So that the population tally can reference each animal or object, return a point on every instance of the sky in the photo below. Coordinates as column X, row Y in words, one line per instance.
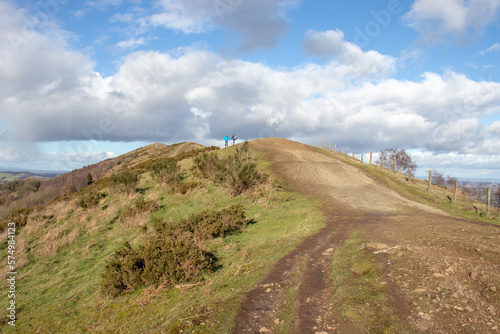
column 83, row 81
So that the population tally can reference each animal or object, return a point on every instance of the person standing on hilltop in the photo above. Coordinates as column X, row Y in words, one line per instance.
column 226, row 139
column 233, row 137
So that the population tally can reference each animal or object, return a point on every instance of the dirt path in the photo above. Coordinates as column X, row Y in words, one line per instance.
column 438, row 258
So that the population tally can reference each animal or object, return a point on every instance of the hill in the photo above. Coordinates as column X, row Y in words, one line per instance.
column 274, row 236
column 8, row 176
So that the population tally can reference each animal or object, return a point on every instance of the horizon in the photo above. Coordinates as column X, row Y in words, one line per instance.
column 94, row 80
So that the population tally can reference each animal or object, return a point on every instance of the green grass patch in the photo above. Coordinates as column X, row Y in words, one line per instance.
column 359, row 292
column 60, row 292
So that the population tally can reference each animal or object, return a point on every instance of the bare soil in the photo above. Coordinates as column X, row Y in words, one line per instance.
column 442, row 273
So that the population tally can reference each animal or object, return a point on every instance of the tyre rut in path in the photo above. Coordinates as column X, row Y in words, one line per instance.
column 337, row 185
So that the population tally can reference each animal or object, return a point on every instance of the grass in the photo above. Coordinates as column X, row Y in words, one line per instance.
column 59, row 282
column 359, row 292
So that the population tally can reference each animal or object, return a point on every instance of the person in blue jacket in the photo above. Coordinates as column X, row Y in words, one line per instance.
column 226, row 139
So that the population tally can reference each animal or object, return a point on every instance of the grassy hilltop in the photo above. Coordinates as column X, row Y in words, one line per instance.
column 64, row 247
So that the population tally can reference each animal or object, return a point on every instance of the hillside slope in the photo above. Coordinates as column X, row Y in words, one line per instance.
column 326, row 247
column 65, row 250
column 434, row 273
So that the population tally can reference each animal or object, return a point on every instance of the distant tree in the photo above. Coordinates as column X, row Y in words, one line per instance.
column 69, row 187
column 437, row 178
column 496, row 196
column 32, row 184
column 89, row 178
column 403, row 160
column 13, row 186
column 450, row 181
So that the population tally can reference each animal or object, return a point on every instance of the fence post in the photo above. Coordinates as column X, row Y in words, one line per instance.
column 339, row 149
column 488, row 200
column 353, row 152
column 370, row 158
column 455, row 192
column 381, row 162
column 394, row 166
column 335, row 148
column 430, row 178
column 361, row 157
column 409, row 173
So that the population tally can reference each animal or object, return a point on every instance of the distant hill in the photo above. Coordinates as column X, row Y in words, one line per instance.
column 8, row 176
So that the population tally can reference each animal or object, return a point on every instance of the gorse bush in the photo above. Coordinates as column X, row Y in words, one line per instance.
column 236, row 172
column 176, row 253
column 206, row 224
column 125, row 181
column 140, row 206
column 165, row 170
column 184, row 187
column 90, row 199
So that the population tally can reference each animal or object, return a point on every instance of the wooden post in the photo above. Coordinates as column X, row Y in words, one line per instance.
column 370, row 158
column 381, row 162
column 361, row 157
column 409, row 173
column 394, row 166
column 488, row 200
column 430, row 178
column 455, row 192
column 339, row 149
column 335, row 148
column 353, row 152
column 346, row 151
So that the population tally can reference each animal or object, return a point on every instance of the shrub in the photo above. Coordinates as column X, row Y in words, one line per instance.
column 19, row 217
column 175, row 253
column 125, row 181
column 140, row 206
column 235, row 171
column 207, row 224
column 184, row 187
column 165, row 170
column 90, row 199
column 13, row 186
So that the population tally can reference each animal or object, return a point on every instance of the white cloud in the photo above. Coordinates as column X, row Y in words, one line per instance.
column 494, row 48
column 436, row 20
column 103, row 4
column 331, row 43
column 54, row 95
column 131, row 43
column 258, row 23
column 124, row 18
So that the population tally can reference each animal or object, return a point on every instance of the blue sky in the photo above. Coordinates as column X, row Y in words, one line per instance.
column 84, row 81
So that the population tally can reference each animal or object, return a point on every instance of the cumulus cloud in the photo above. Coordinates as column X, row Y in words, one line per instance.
column 436, row 20
column 258, row 23
column 331, row 43
column 192, row 94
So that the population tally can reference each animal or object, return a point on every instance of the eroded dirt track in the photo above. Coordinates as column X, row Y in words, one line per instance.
column 436, row 258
